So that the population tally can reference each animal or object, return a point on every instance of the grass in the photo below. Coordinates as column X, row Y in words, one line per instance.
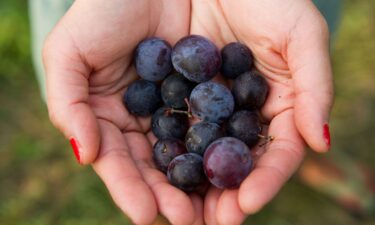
column 40, row 182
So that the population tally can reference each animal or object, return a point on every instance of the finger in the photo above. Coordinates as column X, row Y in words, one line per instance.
column 122, row 178
column 198, row 206
column 67, row 97
column 282, row 157
column 210, row 205
column 309, row 62
column 174, row 204
column 228, row 209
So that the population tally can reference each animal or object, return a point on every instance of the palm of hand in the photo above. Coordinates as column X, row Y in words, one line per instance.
column 123, row 158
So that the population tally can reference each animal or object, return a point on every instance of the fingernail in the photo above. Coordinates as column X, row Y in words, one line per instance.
column 76, row 146
column 327, row 135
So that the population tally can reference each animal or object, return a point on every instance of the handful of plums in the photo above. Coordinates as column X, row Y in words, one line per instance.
column 177, row 90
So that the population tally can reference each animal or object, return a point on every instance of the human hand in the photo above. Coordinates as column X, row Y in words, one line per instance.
column 290, row 42
column 88, row 65
column 88, row 61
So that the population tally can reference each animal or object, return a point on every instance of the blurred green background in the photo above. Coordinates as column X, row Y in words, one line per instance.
column 41, row 183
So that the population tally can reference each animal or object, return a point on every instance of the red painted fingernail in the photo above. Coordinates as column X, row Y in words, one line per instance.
column 327, row 135
column 75, row 145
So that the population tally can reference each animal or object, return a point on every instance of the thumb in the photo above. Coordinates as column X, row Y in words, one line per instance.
column 309, row 62
column 67, row 95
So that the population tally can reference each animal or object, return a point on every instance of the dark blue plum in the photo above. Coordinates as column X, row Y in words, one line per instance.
column 153, row 59
column 250, row 90
column 227, row 162
column 246, row 126
column 211, row 102
column 202, row 134
column 197, row 58
column 186, row 172
column 165, row 150
column 165, row 124
column 237, row 59
column 142, row 98
column 174, row 89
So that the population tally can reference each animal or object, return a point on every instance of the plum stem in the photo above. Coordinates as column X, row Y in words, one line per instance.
column 267, row 139
column 171, row 111
column 188, row 105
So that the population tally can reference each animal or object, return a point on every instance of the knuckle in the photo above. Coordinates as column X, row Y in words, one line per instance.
column 46, row 47
column 54, row 117
column 322, row 27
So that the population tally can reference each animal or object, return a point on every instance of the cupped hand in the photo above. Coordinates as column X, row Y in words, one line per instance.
column 290, row 42
column 88, row 61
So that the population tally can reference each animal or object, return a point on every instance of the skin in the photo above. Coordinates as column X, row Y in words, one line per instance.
column 88, row 66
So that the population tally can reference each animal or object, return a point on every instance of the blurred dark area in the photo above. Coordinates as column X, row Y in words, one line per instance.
column 41, row 183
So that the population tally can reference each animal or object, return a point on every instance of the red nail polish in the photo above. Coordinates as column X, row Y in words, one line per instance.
column 327, row 135
column 75, row 145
